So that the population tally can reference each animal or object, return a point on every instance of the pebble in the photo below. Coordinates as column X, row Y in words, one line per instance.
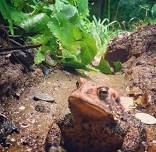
column 154, row 142
column 12, row 139
column 24, row 125
column 22, row 108
column 146, row 118
column 43, row 96
column 33, row 121
column 40, row 108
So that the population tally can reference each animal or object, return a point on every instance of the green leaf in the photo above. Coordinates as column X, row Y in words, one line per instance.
column 88, row 48
column 83, row 7
column 79, row 45
column 41, row 38
column 70, row 63
column 39, row 57
column 17, row 3
column 6, row 14
column 66, row 33
column 59, row 4
column 104, row 67
column 17, row 16
column 66, row 8
column 117, row 66
column 37, row 23
column 153, row 10
column 71, row 60
column 69, row 11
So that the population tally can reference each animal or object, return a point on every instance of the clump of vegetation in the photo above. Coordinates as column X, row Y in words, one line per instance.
column 68, row 35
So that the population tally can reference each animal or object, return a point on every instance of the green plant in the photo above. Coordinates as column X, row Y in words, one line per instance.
column 5, row 12
column 67, row 36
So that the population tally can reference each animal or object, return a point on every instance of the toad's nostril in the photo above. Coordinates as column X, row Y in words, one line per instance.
column 77, row 84
column 103, row 93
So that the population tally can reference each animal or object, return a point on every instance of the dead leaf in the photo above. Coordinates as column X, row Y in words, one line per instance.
column 143, row 100
column 135, row 92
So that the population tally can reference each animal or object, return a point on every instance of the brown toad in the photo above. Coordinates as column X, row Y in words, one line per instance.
column 97, row 123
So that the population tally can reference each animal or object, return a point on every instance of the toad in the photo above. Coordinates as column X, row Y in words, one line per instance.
column 97, row 123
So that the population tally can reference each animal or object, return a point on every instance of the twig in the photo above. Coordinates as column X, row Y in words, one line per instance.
column 8, row 52
column 15, row 42
column 15, row 36
column 20, row 48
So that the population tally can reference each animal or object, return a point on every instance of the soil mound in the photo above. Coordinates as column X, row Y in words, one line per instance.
column 16, row 70
column 139, row 48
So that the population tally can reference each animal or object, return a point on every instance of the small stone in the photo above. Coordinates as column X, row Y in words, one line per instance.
column 154, row 142
column 12, row 139
column 18, row 143
column 40, row 108
column 33, row 121
column 55, row 89
column 43, row 96
column 22, row 108
column 96, row 60
column 17, row 94
column 29, row 149
column 146, row 118
column 24, row 125
column 67, row 73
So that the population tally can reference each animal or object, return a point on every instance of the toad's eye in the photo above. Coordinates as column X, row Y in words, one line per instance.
column 103, row 93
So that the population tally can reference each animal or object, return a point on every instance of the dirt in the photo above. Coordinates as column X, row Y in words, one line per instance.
column 140, row 68
column 16, row 71
column 127, row 44
column 136, row 50
column 140, row 50
column 13, row 80
column 141, row 73
column 35, row 124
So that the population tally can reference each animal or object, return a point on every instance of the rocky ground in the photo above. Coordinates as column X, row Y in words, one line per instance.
column 138, row 52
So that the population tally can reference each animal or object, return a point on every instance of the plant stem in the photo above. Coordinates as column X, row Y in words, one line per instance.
column 109, row 16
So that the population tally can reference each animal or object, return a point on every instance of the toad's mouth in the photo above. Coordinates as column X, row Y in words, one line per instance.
column 84, row 108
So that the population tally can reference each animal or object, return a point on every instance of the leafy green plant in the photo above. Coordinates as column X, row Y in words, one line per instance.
column 67, row 36
column 103, row 31
column 4, row 10
column 153, row 10
column 78, row 47
column 74, row 46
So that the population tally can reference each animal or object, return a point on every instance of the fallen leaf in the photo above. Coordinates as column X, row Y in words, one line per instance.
column 146, row 118
column 142, row 101
column 135, row 92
